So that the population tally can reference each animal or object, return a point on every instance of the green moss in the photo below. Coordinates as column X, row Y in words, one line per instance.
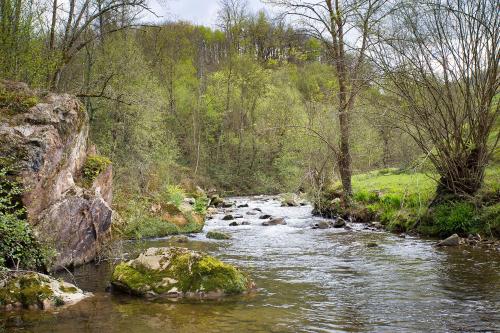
column 16, row 102
column 217, row 235
column 28, row 289
column 186, row 271
column 94, row 165
column 138, row 281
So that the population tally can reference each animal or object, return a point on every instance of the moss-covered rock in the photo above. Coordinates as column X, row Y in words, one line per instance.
column 178, row 272
column 217, row 235
column 36, row 291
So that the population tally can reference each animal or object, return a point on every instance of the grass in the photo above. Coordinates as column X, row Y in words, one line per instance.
column 400, row 200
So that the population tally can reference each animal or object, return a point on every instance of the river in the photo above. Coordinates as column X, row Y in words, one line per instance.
column 308, row 280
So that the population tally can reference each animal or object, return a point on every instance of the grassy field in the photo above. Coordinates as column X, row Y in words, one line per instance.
column 400, row 200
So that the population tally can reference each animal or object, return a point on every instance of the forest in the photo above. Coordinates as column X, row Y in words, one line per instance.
column 380, row 112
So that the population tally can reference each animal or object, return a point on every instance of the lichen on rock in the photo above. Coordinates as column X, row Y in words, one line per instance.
column 178, row 272
column 36, row 291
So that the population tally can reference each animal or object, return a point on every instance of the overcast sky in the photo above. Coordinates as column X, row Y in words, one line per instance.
column 202, row 12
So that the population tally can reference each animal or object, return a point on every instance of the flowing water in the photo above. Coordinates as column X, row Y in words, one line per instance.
column 308, row 280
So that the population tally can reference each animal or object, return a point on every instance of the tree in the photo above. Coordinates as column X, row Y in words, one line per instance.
column 75, row 28
column 330, row 21
column 442, row 60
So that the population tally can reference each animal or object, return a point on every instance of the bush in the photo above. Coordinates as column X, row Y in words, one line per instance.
column 18, row 246
column 200, row 205
column 94, row 165
column 454, row 217
column 174, row 194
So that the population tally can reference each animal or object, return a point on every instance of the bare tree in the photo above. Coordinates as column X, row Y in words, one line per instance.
column 76, row 23
column 441, row 58
column 343, row 26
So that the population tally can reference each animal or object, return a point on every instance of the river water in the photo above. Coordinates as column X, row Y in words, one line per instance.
column 309, row 280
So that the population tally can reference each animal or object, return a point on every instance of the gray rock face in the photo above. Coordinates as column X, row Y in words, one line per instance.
column 49, row 145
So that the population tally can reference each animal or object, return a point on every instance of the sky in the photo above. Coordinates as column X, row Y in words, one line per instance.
column 202, row 12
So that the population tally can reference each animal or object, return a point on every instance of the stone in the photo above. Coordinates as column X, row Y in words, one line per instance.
column 238, row 216
column 322, row 225
column 257, row 209
column 265, row 217
column 228, row 218
column 234, row 224
column 377, row 225
column 276, row 221
column 453, row 240
column 245, row 205
column 227, row 204
column 245, row 223
column 218, row 235
column 31, row 290
column 251, row 213
column 216, row 201
column 178, row 272
column 49, row 142
column 339, row 223
column 290, row 200
column 179, row 239
column 371, row 244
column 190, row 201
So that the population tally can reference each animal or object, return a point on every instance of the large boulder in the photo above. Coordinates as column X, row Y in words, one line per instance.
column 178, row 272
column 36, row 291
column 68, row 188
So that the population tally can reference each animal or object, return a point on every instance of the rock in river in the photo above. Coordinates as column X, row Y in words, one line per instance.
column 277, row 221
column 453, row 240
column 218, row 235
column 322, row 225
column 339, row 223
column 179, row 272
column 228, row 218
column 36, row 291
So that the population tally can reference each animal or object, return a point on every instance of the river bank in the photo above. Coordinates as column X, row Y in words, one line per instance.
column 400, row 201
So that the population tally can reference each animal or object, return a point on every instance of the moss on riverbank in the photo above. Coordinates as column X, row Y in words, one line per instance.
column 400, row 201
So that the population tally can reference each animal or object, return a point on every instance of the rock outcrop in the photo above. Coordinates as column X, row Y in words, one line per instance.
column 178, row 272
column 36, row 291
column 45, row 137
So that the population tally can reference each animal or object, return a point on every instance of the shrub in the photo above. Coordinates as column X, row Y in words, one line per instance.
column 174, row 194
column 454, row 217
column 200, row 205
column 18, row 246
column 94, row 165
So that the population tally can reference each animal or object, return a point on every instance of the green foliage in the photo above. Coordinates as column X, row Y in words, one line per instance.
column 94, row 165
column 141, row 222
column 16, row 102
column 18, row 245
column 201, row 205
column 174, row 194
column 451, row 217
